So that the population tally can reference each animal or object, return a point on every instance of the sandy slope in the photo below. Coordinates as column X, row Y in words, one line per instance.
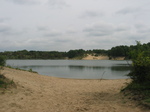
column 91, row 57
column 38, row 93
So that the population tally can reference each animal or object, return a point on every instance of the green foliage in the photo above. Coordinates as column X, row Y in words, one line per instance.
column 140, row 72
column 4, row 82
column 30, row 70
column 119, row 51
column 141, row 65
column 24, row 54
column 100, row 52
column 76, row 53
column 2, row 61
column 147, row 100
column 139, row 92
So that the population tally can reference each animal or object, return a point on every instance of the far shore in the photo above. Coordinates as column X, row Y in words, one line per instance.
column 39, row 93
column 101, row 57
column 88, row 57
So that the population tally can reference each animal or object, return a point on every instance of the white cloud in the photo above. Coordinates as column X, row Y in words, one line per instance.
column 53, row 34
column 4, row 29
column 3, row 19
column 99, row 29
column 57, row 3
column 91, row 14
column 42, row 28
column 23, row 1
column 65, row 24
column 122, row 27
column 129, row 10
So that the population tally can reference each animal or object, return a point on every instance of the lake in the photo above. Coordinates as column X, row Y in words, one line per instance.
column 76, row 69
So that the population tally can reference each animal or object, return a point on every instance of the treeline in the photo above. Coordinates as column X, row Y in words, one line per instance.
column 24, row 54
column 118, row 51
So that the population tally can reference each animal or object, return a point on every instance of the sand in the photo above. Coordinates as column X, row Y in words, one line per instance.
column 91, row 57
column 39, row 93
column 101, row 57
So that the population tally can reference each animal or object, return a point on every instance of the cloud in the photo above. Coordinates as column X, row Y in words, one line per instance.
column 99, row 29
column 128, row 10
column 57, row 3
column 122, row 27
column 45, row 43
column 42, row 28
column 24, row 1
column 71, row 30
column 3, row 19
column 109, row 35
column 53, row 33
column 4, row 28
column 67, row 24
column 139, row 25
column 7, row 31
column 90, row 14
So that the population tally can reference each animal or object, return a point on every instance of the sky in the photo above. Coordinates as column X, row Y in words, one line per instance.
column 62, row 25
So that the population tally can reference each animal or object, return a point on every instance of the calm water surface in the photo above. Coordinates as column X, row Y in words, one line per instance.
column 76, row 69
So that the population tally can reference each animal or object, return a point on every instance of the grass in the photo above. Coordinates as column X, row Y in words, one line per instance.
column 147, row 100
column 139, row 92
column 5, row 83
column 30, row 70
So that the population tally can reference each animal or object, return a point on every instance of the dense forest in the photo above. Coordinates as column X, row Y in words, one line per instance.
column 118, row 51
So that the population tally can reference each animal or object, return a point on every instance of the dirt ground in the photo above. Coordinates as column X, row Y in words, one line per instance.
column 39, row 93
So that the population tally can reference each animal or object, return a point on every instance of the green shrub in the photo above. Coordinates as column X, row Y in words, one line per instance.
column 140, row 74
column 140, row 65
column 2, row 61
column 140, row 69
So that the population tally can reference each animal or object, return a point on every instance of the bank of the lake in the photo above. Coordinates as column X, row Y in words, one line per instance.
column 40, row 93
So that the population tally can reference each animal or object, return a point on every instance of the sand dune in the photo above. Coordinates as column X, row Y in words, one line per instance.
column 101, row 57
column 38, row 93
column 90, row 57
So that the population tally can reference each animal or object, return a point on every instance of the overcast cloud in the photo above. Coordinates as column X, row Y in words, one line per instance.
column 62, row 25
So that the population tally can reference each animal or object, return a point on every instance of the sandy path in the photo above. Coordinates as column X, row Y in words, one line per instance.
column 38, row 93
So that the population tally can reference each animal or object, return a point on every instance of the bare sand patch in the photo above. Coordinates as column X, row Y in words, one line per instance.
column 39, row 93
column 91, row 57
column 101, row 57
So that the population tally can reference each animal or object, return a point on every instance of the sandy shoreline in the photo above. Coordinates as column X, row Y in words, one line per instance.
column 91, row 57
column 38, row 93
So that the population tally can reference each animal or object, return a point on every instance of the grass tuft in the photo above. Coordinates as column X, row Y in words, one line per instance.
column 5, row 83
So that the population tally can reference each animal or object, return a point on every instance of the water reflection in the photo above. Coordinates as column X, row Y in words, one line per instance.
column 71, row 67
column 120, row 68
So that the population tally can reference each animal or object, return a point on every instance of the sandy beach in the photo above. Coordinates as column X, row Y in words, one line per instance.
column 39, row 93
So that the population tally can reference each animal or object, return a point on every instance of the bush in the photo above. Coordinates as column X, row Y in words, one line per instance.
column 140, row 73
column 2, row 61
column 141, row 69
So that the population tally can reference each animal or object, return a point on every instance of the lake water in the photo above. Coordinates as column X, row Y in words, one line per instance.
column 76, row 69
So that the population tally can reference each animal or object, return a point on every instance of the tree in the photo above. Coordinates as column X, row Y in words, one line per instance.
column 76, row 53
column 141, row 64
column 119, row 51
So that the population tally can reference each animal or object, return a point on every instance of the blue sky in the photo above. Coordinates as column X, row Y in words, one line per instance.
column 62, row 25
